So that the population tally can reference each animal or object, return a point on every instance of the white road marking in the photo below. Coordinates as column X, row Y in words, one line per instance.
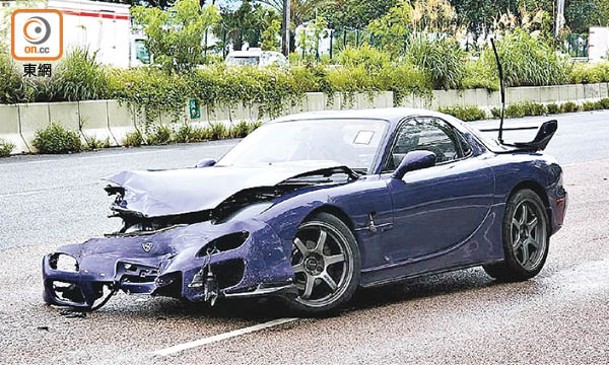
column 126, row 154
column 223, row 336
column 38, row 161
column 25, row 193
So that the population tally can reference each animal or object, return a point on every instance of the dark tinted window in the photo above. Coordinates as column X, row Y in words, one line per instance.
column 427, row 134
column 466, row 149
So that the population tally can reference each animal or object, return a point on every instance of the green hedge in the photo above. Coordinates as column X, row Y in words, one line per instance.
column 363, row 70
column 590, row 73
column 465, row 113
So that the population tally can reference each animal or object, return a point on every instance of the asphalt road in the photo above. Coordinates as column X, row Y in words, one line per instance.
column 559, row 317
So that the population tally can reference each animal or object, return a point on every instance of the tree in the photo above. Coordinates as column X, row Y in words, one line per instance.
column 344, row 14
column 300, row 10
column 433, row 16
column 479, row 15
column 583, row 14
column 310, row 35
column 391, row 30
column 245, row 24
column 175, row 36
column 271, row 36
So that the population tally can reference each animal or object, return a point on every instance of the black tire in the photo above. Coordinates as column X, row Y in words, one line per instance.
column 316, row 268
column 525, row 236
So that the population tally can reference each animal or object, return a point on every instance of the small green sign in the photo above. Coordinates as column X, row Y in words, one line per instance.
column 195, row 111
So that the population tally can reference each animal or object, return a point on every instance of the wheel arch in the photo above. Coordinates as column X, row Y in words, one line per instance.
column 335, row 211
column 540, row 191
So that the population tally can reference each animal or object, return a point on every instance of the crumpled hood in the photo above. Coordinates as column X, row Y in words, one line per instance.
column 179, row 191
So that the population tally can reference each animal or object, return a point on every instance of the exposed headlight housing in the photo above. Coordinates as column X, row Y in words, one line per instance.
column 225, row 243
column 63, row 262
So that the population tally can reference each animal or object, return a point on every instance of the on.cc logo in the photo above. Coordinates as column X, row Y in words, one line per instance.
column 37, row 34
column 36, row 30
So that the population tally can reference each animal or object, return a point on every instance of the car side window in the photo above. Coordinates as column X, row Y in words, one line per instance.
column 428, row 134
column 466, row 149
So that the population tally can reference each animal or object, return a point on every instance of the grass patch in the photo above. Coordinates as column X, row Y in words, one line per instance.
column 6, row 148
column 569, row 107
column 133, row 139
column 553, row 108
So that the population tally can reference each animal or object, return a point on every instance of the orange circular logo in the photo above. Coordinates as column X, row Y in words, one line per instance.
column 36, row 30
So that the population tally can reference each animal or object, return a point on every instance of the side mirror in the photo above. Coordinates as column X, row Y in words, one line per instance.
column 414, row 160
column 206, row 162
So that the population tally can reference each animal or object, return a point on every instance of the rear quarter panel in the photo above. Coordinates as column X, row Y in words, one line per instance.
column 537, row 171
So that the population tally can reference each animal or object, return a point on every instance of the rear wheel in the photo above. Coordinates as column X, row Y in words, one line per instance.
column 525, row 238
column 326, row 264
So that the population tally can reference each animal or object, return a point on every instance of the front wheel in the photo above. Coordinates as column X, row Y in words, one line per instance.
column 525, row 238
column 326, row 264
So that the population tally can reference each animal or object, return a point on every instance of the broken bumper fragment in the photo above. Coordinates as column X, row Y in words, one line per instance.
column 200, row 262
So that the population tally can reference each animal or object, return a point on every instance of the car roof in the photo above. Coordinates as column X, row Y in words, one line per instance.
column 393, row 115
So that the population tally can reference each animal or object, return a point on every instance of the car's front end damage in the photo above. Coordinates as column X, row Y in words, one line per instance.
column 199, row 254
column 199, row 262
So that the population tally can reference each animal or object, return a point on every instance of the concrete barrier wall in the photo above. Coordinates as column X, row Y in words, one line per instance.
column 109, row 119
column 9, row 127
column 487, row 100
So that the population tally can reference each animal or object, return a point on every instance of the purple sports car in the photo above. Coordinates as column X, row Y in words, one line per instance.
column 312, row 206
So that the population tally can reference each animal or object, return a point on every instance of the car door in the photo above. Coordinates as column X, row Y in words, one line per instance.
column 435, row 209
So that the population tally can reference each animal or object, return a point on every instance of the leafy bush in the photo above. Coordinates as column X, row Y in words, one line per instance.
column 187, row 133
column 605, row 103
column 569, row 107
column 202, row 134
column 272, row 89
column 158, row 134
column 239, row 130
column 528, row 61
column 218, row 131
column 253, row 126
column 184, row 134
column 479, row 75
column 79, row 77
column 92, row 143
column 13, row 88
column 442, row 58
column 465, row 113
column 496, row 112
column 133, row 139
column 151, row 89
column 584, row 73
column 366, row 56
column 534, row 109
column 6, row 147
column 405, row 79
column 527, row 108
column 514, row 111
column 592, row 105
column 553, row 108
column 57, row 139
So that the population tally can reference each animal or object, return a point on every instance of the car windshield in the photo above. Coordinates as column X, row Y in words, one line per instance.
column 243, row 61
column 353, row 143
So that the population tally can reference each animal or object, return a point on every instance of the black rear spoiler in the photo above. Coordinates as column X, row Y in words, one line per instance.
column 543, row 137
column 539, row 143
column 546, row 131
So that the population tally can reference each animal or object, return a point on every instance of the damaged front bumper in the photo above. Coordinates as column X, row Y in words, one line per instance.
column 200, row 262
